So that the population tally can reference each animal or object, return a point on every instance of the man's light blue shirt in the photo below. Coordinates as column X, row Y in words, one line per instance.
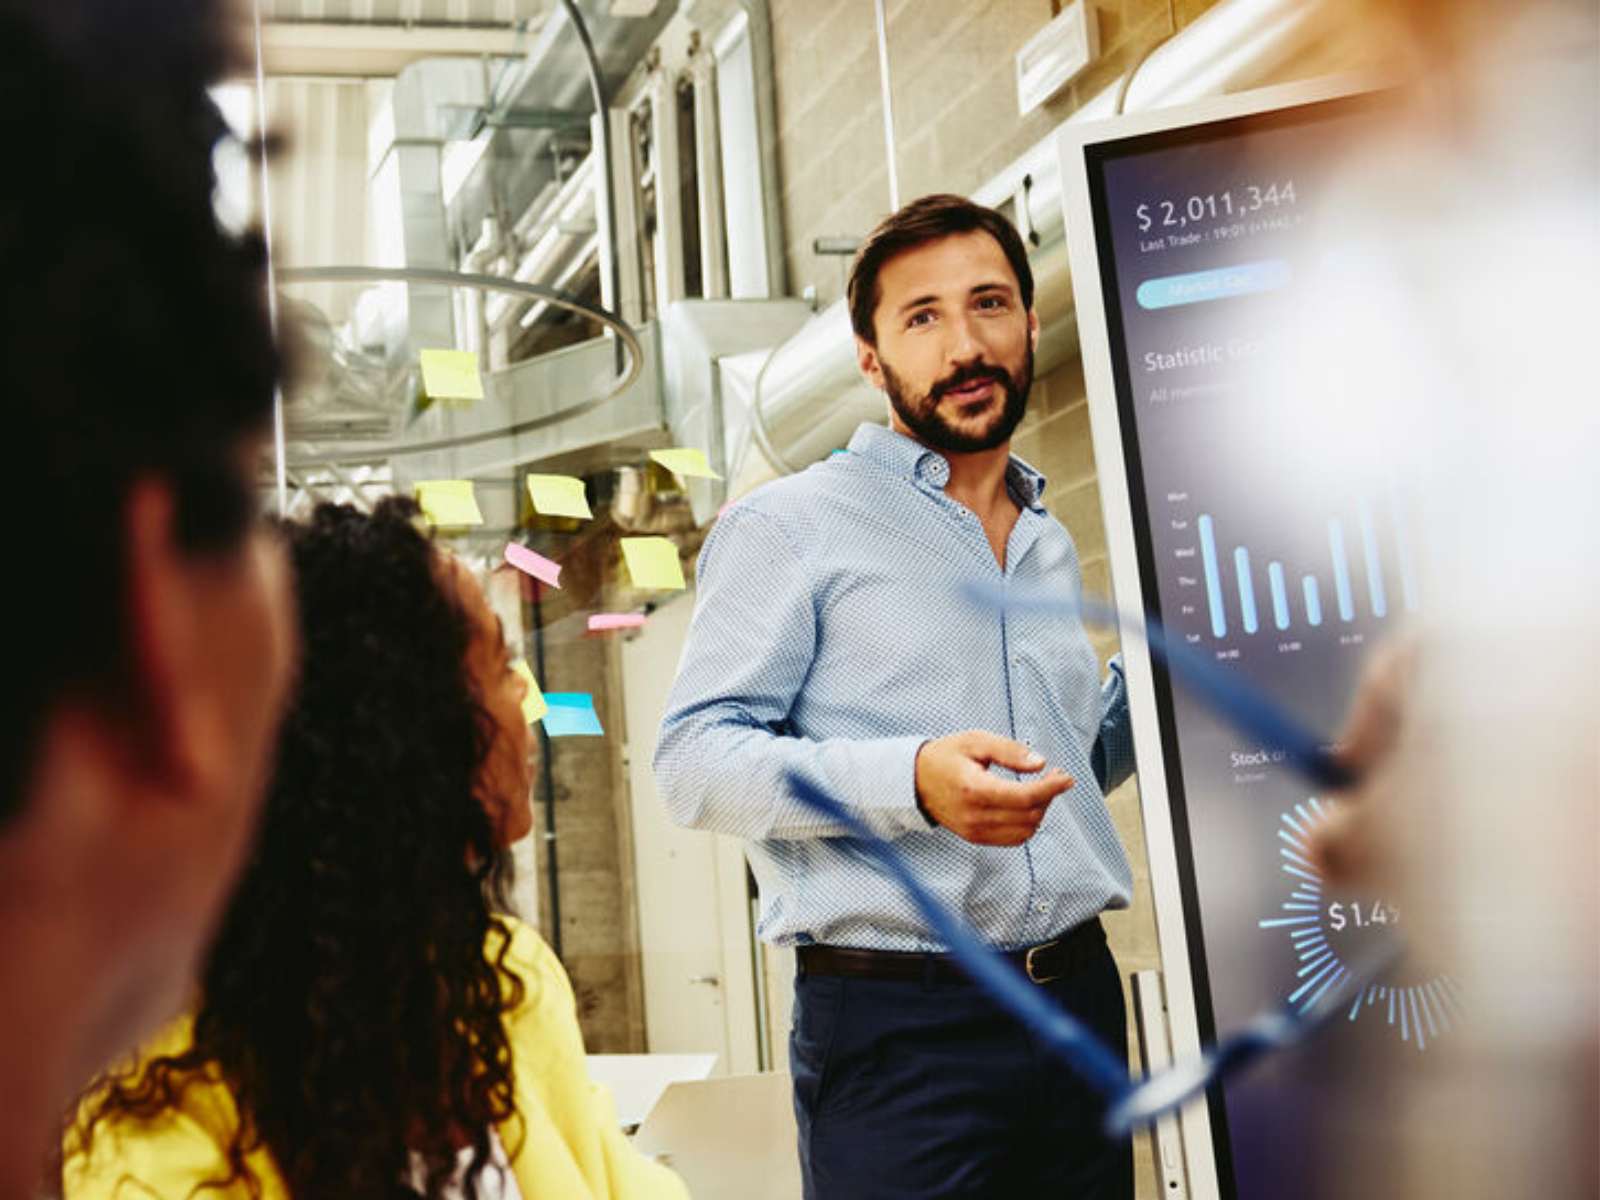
column 831, row 637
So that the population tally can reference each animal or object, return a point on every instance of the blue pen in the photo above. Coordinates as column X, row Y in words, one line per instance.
column 1227, row 692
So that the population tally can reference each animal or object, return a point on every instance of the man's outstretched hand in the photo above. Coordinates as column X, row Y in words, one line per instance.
column 956, row 790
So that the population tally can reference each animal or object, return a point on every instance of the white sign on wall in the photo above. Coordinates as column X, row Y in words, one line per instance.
column 1056, row 54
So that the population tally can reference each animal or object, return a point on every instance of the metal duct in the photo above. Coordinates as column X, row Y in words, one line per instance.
column 811, row 397
column 551, row 80
column 1235, row 45
column 527, row 105
column 530, row 413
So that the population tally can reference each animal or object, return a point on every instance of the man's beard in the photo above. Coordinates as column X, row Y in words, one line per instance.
column 921, row 414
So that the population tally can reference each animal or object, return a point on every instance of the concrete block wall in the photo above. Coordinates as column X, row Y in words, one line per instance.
column 952, row 69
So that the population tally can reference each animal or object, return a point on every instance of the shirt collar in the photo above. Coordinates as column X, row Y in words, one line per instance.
column 909, row 458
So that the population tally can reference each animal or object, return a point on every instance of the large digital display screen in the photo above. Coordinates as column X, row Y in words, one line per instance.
column 1210, row 239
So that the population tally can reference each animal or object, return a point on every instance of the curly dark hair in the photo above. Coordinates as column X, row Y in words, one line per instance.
column 133, row 327
column 354, row 999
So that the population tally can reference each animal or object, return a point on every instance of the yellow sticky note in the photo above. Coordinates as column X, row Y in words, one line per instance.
column 449, row 502
column 533, row 705
column 558, row 496
column 653, row 563
column 685, row 460
column 451, row 375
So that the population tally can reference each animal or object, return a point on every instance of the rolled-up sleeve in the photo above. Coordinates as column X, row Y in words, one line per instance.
column 1113, row 749
column 726, row 741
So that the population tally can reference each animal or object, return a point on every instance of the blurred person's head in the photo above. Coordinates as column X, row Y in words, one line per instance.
column 150, row 640
column 354, row 1001
column 1453, row 293
column 941, row 302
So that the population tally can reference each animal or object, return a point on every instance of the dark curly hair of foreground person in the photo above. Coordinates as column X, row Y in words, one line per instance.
column 349, row 1002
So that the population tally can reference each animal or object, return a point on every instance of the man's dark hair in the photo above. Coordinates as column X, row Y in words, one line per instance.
column 926, row 220
column 134, row 334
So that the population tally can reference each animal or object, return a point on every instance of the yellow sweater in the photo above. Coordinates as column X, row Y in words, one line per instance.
column 567, row 1145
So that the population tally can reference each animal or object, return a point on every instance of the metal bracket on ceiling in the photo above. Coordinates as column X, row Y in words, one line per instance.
column 1024, row 213
column 468, row 120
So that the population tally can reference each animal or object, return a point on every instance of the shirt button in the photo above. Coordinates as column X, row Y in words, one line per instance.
column 1041, row 908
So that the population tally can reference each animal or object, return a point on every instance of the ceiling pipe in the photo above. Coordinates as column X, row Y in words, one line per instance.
column 888, row 109
column 421, row 23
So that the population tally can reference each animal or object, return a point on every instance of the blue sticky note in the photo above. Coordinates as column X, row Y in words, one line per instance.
column 571, row 714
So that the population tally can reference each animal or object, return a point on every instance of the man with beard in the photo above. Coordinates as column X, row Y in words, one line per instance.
column 832, row 639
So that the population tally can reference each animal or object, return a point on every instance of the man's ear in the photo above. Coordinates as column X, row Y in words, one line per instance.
column 1033, row 330
column 867, row 360
column 171, row 719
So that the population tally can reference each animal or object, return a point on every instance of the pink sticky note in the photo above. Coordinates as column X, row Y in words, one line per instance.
column 600, row 622
column 537, row 565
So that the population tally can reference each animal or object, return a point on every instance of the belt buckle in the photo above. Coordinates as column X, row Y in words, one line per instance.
column 1027, row 962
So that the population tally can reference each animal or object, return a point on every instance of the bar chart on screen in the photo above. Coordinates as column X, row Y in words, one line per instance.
column 1329, row 578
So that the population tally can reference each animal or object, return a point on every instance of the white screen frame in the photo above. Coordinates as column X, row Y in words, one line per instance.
column 1116, row 507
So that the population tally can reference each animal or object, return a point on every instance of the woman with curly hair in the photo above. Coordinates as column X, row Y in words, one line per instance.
column 369, row 1024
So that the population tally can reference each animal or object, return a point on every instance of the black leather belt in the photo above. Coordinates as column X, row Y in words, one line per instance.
column 1041, row 963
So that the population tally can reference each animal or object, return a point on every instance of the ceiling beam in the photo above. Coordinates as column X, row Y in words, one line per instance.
column 382, row 50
